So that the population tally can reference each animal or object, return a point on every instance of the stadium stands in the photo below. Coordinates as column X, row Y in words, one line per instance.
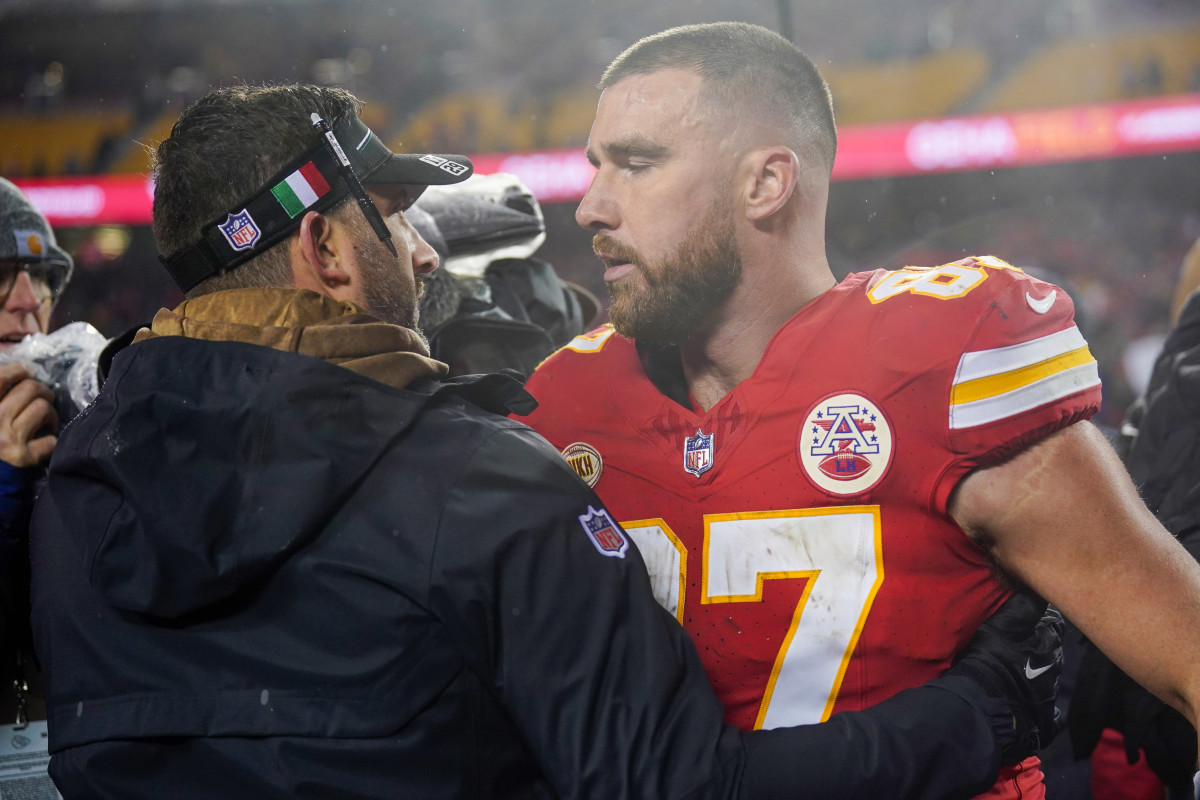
column 1152, row 62
column 59, row 143
column 930, row 86
column 134, row 158
column 887, row 67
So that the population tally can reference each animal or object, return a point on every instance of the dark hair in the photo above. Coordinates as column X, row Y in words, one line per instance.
column 747, row 70
column 222, row 150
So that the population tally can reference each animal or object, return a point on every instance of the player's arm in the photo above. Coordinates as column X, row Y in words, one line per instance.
column 608, row 691
column 1063, row 517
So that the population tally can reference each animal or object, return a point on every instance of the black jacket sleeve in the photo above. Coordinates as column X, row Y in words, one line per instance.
column 608, row 690
column 932, row 741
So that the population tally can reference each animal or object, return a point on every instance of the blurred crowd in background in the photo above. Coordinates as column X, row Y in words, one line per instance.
column 87, row 85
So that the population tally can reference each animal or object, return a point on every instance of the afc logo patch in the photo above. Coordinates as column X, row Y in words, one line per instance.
column 606, row 536
column 845, row 444
column 240, row 230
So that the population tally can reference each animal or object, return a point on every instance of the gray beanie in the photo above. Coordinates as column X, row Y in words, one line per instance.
column 25, row 235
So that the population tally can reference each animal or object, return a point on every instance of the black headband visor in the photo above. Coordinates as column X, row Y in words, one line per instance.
column 311, row 182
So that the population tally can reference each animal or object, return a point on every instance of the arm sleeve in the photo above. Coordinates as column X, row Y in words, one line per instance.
column 607, row 689
column 934, row 741
column 1024, row 372
column 603, row 684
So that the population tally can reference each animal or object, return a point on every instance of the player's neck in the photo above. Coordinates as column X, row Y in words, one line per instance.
column 727, row 349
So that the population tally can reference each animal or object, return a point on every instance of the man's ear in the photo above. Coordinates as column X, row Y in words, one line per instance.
column 774, row 172
column 322, row 265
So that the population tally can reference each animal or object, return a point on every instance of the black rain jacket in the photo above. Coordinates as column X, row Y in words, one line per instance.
column 261, row 575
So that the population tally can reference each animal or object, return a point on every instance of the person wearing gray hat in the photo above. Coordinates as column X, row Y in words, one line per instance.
column 28, row 247
column 34, row 270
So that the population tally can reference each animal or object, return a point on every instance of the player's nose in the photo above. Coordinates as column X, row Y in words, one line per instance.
column 597, row 211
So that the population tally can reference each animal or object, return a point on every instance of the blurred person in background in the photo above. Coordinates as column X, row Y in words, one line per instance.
column 278, row 556
column 1137, row 743
column 1189, row 280
column 824, row 476
column 492, row 305
column 34, row 270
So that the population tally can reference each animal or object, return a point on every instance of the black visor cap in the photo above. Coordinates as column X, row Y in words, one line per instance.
column 268, row 221
column 373, row 162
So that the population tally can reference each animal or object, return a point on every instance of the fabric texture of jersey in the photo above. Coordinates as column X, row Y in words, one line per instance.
column 799, row 529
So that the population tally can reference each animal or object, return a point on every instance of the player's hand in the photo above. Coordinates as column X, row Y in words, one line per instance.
column 26, row 416
column 1017, row 655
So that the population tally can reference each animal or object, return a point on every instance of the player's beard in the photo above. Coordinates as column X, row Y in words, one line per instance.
column 664, row 302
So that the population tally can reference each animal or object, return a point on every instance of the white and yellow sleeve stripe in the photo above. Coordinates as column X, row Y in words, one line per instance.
column 992, row 385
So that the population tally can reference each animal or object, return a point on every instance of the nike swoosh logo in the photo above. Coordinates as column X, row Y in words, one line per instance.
column 1043, row 305
column 1033, row 673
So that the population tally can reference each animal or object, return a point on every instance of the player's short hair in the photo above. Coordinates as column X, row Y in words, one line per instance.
column 747, row 70
column 221, row 151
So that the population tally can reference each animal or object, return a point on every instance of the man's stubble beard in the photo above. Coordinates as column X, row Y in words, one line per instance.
column 671, row 298
column 386, row 294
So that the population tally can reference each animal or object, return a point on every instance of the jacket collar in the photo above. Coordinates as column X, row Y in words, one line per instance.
column 304, row 322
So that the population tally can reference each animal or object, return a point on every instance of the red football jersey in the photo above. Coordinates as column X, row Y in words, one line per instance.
column 799, row 529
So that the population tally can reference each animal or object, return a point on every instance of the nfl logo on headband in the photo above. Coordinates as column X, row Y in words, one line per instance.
column 240, row 230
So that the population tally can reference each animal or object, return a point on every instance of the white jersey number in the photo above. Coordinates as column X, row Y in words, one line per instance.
column 945, row 282
column 837, row 549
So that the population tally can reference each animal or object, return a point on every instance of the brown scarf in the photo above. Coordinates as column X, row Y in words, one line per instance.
column 302, row 321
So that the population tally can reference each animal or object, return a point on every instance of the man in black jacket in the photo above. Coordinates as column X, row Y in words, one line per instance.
column 1158, row 443
column 279, row 557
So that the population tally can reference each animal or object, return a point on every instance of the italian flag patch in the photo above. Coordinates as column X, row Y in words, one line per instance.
column 301, row 189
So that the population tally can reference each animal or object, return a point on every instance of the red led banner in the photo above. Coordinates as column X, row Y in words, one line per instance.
column 1022, row 138
column 985, row 141
column 92, row 200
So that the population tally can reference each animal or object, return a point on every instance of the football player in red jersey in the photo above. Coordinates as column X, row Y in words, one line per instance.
column 821, row 476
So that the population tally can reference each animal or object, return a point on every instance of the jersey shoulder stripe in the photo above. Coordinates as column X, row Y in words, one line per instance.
column 995, row 384
column 984, row 363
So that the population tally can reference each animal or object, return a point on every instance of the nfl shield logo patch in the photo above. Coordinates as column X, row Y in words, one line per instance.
column 240, row 230
column 607, row 538
column 698, row 453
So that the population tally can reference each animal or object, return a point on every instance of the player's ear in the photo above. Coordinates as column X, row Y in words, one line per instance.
column 772, row 179
column 322, row 263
